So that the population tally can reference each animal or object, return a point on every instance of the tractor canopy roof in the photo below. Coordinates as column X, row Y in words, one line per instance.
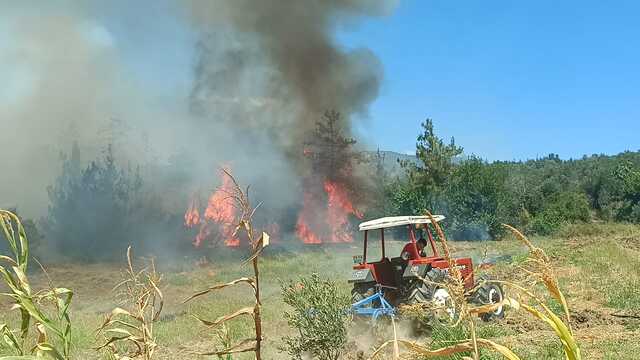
column 393, row 221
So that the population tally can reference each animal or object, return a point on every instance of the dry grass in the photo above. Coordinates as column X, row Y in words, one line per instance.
column 129, row 331
column 592, row 267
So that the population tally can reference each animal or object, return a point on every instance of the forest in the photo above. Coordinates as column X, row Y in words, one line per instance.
column 537, row 195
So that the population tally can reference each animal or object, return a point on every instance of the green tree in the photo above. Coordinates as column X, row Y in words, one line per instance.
column 627, row 179
column 436, row 158
column 474, row 195
column 90, row 213
column 429, row 175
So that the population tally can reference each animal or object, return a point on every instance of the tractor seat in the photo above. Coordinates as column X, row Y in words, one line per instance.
column 385, row 272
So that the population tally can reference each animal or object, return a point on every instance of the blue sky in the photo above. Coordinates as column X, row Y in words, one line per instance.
column 508, row 79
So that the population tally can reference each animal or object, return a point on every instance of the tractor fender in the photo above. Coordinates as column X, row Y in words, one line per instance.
column 413, row 271
column 361, row 276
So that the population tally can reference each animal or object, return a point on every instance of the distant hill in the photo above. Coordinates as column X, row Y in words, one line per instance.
column 391, row 160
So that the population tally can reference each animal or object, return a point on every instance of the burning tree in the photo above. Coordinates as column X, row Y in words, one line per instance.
column 328, row 195
column 217, row 220
column 330, row 150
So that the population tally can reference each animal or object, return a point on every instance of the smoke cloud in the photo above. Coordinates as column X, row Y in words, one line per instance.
column 262, row 73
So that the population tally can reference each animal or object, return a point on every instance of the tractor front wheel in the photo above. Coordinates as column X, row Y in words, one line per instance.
column 419, row 293
column 488, row 294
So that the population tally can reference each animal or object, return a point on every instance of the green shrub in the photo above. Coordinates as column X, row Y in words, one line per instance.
column 98, row 210
column 564, row 208
column 318, row 315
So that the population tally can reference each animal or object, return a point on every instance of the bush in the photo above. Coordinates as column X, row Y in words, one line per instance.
column 473, row 195
column 567, row 207
column 89, row 212
column 97, row 211
column 318, row 315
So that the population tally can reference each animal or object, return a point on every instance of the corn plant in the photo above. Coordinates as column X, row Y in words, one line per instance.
column 539, row 269
column 129, row 331
column 223, row 335
column 240, row 198
column 46, row 311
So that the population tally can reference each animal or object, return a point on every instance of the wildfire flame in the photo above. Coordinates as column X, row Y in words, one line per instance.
column 192, row 216
column 336, row 216
column 303, row 230
column 339, row 206
column 324, row 217
column 218, row 218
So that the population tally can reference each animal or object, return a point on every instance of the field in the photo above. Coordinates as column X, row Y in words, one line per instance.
column 598, row 266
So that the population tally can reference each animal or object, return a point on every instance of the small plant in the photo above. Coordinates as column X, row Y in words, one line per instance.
column 222, row 333
column 240, row 198
column 318, row 315
column 130, row 332
column 46, row 310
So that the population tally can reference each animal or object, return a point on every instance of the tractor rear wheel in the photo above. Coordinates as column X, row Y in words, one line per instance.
column 487, row 294
column 422, row 291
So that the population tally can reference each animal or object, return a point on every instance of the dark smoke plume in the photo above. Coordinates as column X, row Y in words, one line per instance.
column 263, row 74
column 279, row 58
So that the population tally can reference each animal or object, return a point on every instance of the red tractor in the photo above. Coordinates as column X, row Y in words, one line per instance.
column 397, row 280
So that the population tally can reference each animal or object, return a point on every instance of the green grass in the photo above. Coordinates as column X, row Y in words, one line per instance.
column 605, row 265
column 613, row 270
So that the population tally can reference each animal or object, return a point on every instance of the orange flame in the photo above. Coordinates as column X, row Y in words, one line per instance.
column 192, row 216
column 221, row 210
column 303, row 230
column 219, row 216
column 336, row 216
column 339, row 206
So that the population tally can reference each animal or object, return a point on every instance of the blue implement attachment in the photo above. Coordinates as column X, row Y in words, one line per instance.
column 366, row 307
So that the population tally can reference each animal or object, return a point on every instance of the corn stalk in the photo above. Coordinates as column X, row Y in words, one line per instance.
column 130, row 332
column 241, row 200
column 31, row 305
column 540, row 270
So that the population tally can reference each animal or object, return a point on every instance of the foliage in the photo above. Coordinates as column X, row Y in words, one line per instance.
column 436, row 159
column 474, row 197
column 130, row 331
column 331, row 149
column 31, row 231
column 318, row 315
column 97, row 211
column 90, row 209
column 627, row 176
column 46, row 320
column 561, row 209
column 539, row 196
